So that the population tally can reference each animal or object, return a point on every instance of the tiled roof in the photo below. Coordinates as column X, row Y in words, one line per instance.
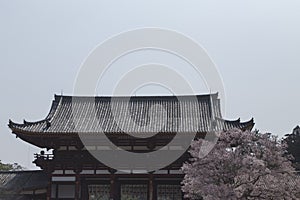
column 18, row 181
column 167, row 114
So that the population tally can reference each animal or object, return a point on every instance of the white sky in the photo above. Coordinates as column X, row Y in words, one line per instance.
column 254, row 43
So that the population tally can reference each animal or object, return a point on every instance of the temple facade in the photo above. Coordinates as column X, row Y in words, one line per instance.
column 73, row 171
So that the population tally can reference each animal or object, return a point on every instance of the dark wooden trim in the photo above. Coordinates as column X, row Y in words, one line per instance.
column 77, row 186
column 49, row 187
column 116, row 180
column 151, row 190
column 56, row 191
column 112, row 192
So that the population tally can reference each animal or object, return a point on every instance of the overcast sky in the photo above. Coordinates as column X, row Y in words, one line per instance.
column 255, row 45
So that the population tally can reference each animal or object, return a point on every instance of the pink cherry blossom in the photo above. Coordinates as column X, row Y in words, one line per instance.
column 242, row 165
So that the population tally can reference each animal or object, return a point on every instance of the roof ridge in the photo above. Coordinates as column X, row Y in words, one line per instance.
column 139, row 96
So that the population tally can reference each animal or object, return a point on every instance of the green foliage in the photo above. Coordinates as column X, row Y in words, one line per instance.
column 10, row 167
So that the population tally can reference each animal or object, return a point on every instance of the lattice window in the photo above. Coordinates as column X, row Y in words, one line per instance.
column 98, row 192
column 169, row 192
column 134, row 192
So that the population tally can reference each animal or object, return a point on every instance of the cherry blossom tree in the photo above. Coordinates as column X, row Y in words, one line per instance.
column 241, row 165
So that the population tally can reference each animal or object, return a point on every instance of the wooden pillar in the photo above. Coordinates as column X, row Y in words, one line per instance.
column 77, row 184
column 49, row 170
column 78, row 169
column 34, row 196
column 151, row 188
column 113, row 185
column 84, row 189
column 56, row 191
column 49, row 186
column 112, row 193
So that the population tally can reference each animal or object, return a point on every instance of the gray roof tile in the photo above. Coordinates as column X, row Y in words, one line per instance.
column 22, row 180
column 70, row 114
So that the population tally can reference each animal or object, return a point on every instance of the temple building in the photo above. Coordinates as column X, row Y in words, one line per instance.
column 73, row 172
